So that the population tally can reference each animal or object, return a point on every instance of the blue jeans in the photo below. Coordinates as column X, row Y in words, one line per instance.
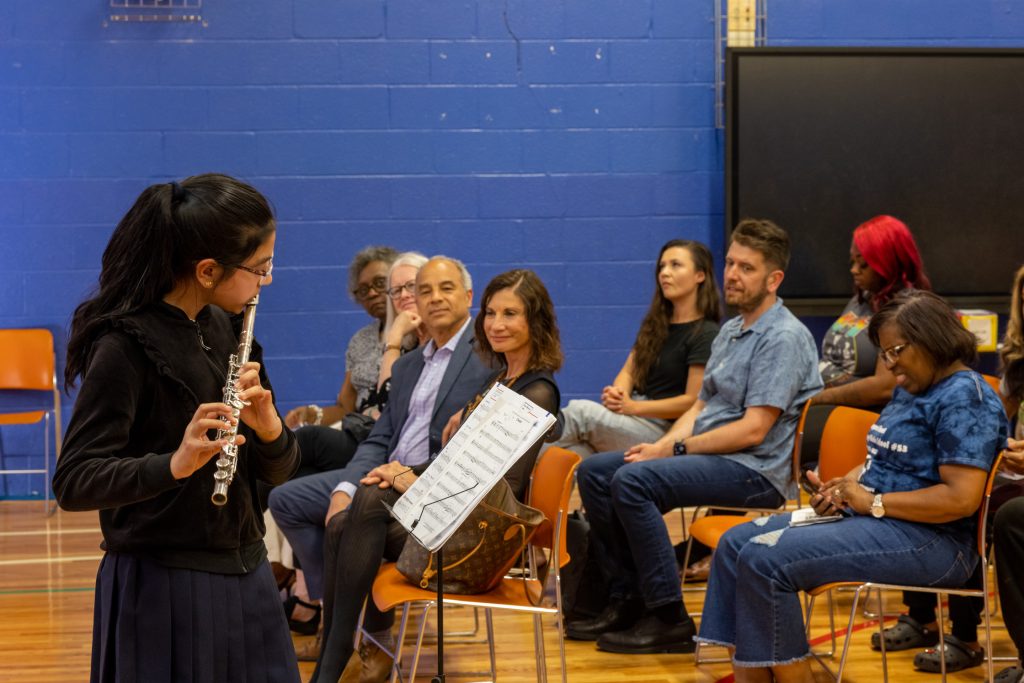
column 299, row 508
column 625, row 503
column 759, row 568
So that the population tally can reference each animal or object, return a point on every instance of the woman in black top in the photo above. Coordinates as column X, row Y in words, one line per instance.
column 516, row 329
column 663, row 373
column 184, row 591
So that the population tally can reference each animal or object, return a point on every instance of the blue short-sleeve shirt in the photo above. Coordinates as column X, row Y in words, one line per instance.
column 772, row 363
column 959, row 420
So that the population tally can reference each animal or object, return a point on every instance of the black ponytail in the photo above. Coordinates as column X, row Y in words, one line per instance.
column 170, row 228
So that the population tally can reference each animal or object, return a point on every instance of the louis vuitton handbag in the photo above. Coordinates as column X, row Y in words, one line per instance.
column 481, row 551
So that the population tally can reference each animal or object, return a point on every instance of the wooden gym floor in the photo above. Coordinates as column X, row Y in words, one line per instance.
column 48, row 567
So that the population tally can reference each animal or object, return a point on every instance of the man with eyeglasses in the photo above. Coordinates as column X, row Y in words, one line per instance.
column 429, row 385
column 324, row 443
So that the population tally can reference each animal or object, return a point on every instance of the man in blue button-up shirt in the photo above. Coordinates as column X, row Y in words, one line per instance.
column 732, row 447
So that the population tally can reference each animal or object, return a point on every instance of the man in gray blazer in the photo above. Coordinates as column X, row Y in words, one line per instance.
column 428, row 386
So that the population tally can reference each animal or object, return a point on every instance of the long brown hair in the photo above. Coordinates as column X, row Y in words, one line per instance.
column 545, row 344
column 1011, row 356
column 654, row 328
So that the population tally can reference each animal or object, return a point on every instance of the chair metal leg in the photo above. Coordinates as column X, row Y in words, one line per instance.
column 881, row 638
column 489, row 621
column 820, row 656
column 561, row 645
column 538, row 644
column 989, row 659
column 849, row 638
column 832, row 623
column 419, row 640
column 396, row 660
column 698, row 659
column 46, row 464
column 942, row 637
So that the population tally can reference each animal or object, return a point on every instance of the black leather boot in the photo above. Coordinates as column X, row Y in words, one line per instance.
column 619, row 614
column 651, row 635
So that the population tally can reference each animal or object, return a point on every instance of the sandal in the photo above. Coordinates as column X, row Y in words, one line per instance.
column 907, row 634
column 1013, row 674
column 958, row 657
column 305, row 628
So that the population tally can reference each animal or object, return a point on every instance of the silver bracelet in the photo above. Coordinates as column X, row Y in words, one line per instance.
column 319, row 413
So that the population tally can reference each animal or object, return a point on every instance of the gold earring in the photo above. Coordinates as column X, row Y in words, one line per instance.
column 209, row 284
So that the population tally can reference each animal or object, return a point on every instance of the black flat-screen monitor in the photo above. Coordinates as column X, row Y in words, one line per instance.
column 821, row 139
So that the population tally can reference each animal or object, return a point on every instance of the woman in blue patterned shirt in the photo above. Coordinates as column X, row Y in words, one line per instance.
column 905, row 516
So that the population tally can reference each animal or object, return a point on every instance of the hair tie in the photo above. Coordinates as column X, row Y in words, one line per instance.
column 178, row 192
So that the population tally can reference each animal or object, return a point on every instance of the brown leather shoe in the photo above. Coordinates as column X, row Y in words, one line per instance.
column 310, row 650
column 353, row 669
column 376, row 663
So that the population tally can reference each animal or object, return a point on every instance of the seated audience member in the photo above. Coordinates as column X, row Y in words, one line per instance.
column 435, row 381
column 919, row 627
column 404, row 329
column 732, row 447
column 367, row 284
column 328, row 448
column 663, row 373
column 883, row 261
column 515, row 330
column 905, row 516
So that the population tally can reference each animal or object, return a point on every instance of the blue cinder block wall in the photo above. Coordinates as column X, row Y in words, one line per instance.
column 570, row 136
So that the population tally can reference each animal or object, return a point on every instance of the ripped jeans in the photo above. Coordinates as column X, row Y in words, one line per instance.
column 753, row 600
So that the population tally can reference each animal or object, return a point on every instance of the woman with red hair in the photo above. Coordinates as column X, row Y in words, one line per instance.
column 884, row 260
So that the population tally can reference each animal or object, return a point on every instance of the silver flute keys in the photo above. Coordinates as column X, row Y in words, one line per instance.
column 228, row 460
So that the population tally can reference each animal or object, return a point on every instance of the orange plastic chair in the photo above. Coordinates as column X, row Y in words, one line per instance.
column 550, row 487
column 709, row 528
column 843, row 447
column 862, row 588
column 28, row 363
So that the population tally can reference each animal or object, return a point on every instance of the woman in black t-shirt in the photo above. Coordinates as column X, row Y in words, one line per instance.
column 662, row 375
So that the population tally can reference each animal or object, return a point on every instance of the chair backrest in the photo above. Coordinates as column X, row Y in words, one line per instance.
column 27, row 360
column 844, row 441
column 798, row 443
column 550, row 488
column 983, row 508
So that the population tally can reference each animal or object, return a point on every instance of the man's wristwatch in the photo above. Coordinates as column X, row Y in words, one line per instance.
column 877, row 509
column 679, row 447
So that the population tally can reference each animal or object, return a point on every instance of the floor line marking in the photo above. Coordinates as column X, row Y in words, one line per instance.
column 26, row 591
column 50, row 532
column 47, row 560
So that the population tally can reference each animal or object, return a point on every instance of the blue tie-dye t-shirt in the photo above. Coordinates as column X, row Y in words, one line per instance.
column 957, row 421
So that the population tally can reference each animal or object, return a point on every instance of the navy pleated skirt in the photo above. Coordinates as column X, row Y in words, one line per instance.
column 154, row 624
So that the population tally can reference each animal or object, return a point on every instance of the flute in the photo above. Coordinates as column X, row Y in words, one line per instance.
column 227, row 462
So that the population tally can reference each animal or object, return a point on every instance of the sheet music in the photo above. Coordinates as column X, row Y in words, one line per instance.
column 501, row 429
